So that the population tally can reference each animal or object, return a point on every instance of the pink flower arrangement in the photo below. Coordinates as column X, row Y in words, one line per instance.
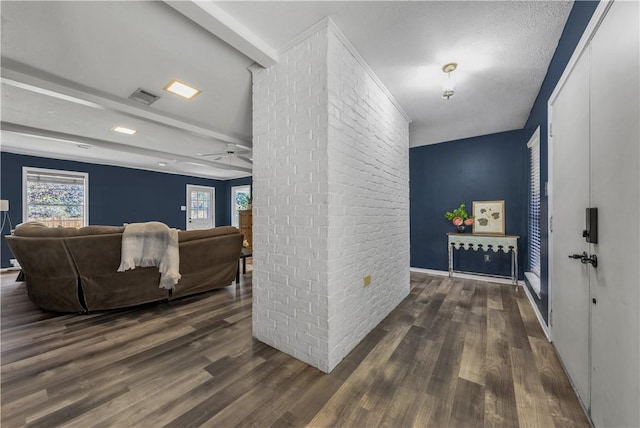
column 460, row 218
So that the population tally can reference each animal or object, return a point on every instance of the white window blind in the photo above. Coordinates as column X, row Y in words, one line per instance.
column 55, row 198
column 534, row 204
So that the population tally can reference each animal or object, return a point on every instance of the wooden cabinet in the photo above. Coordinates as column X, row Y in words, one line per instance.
column 245, row 225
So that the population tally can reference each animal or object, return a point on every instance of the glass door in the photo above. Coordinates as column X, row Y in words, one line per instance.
column 200, row 207
column 240, row 199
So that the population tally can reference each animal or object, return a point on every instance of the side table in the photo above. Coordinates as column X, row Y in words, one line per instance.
column 244, row 253
column 485, row 242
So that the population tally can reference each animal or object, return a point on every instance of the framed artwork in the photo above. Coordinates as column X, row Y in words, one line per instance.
column 489, row 217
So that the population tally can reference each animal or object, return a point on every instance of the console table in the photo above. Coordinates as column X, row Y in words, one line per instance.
column 485, row 242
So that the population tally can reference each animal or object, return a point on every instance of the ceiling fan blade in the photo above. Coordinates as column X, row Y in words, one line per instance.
column 212, row 154
column 197, row 164
column 246, row 159
column 243, row 147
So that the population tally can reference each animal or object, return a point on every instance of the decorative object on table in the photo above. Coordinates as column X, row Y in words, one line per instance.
column 249, row 202
column 489, row 217
column 460, row 218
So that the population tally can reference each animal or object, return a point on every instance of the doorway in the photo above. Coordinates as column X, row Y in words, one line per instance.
column 593, row 163
column 240, row 198
column 201, row 203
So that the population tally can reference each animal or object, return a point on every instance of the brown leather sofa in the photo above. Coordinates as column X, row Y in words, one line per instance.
column 75, row 269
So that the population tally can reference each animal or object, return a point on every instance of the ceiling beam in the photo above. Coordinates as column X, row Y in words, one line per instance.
column 110, row 145
column 222, row 25
column 20, row 75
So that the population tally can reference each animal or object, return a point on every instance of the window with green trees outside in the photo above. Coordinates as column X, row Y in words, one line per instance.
column 55, row 198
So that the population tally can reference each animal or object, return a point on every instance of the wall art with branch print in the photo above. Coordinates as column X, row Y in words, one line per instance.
column 489, row 217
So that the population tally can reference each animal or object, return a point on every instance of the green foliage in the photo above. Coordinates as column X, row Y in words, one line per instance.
column 458, row 212
column 242, row 200
column 55, row 200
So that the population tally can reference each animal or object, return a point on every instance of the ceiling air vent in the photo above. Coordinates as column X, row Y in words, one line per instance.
column 144, row 97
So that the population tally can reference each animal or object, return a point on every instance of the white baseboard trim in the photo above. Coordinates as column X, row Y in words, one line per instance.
column 9, row 269
column 532, row 302
column 534, row 281
column 544, row 327
column 465, row 276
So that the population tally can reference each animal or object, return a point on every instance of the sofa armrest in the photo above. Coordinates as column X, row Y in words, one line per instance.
column 51, row 277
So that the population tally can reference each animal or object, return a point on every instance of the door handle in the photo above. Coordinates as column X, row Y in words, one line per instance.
column 593, row 260
column 585, row 258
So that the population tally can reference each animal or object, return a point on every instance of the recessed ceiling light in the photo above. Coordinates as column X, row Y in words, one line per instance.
column 182, row 89
column 124, row 130
column 162, row 164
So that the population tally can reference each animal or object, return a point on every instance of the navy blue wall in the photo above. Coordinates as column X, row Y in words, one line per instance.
column 116, row 195
column 443, row 175
column 576, row 23
column 486, row 168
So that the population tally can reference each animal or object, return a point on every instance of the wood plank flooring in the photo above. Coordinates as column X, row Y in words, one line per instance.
column 455, row 353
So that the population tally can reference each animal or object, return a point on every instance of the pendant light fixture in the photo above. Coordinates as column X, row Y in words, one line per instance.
column 449, row 84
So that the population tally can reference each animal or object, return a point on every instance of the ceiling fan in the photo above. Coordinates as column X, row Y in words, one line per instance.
column 232, row 150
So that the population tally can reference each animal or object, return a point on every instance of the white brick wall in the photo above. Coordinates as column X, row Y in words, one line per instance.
column 330, row 202
column 290, row 220
column 368, row 149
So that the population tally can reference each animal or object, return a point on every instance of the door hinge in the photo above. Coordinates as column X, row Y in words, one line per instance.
column 550, row 318
column 550, row 129
column 551, row 224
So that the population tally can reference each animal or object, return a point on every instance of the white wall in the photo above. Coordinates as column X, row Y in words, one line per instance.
column 368, row 150
column 331, row 200
column 290, row 203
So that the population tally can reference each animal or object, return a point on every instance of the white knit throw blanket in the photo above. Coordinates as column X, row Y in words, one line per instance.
column 152, row 244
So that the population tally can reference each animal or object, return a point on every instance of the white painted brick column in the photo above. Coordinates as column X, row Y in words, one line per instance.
column 331, row 200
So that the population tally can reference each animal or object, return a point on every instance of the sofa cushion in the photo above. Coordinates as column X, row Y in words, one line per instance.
column 190, row 235
column 100, row 230
column 34, row 229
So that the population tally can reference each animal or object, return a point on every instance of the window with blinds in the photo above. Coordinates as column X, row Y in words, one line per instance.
column 534, row 204
column 55, row 198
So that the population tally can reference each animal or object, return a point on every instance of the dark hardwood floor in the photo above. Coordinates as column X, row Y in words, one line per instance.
column 454, row 353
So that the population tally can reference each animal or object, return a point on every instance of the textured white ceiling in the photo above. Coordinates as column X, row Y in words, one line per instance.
column 503, row 49
column 109, row 49
column 117, row 47
column 103, row 51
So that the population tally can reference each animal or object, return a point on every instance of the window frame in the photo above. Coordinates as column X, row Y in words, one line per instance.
column 233, row 202
column 534, row 247
column 26, row 170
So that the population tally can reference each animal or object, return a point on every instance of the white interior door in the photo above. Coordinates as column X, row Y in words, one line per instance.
column 570, row 196
column 201, row 210
column 595, row 318
column 615, row 190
